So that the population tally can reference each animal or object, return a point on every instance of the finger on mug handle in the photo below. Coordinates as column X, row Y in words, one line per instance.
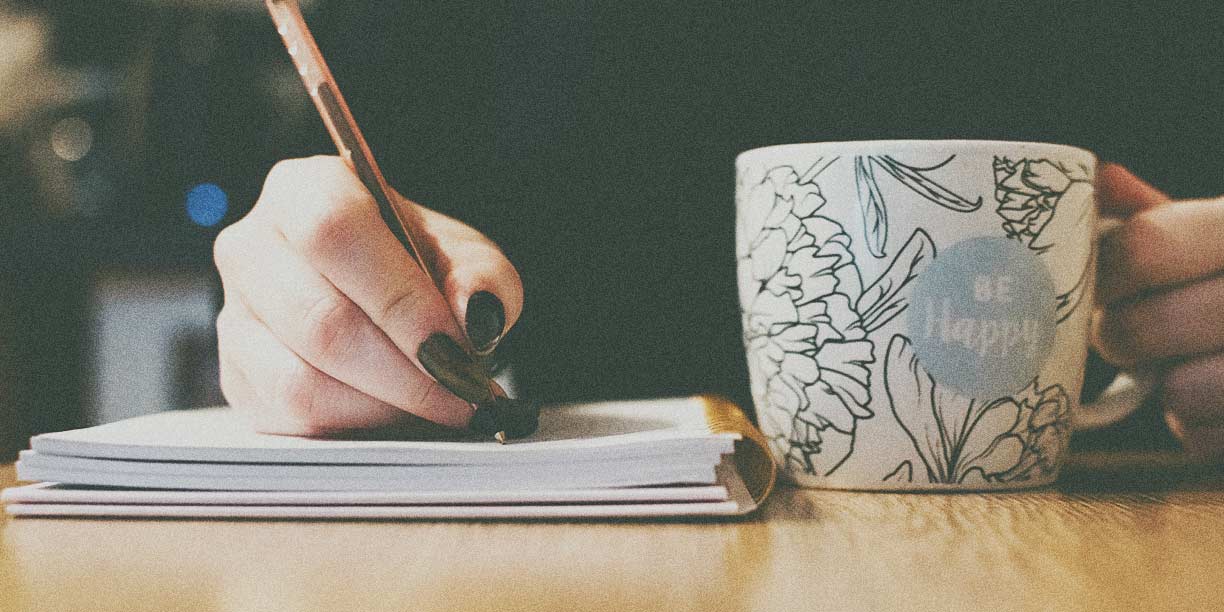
column 1121, row 193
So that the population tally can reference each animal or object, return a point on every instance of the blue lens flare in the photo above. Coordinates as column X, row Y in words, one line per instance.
column 206, row 204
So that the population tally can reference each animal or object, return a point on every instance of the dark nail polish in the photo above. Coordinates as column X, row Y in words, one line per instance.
column 486, row 320
column 454, row 368
column 486, row 420
column 518, row 418
column 521, row 419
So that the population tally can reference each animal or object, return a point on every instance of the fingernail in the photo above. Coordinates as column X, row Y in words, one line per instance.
column 486, row 319
column 454, row 368
column 522, row 417
column 517, row 418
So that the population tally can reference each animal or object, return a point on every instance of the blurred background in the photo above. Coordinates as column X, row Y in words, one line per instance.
column 594, row 141
column 129, row 135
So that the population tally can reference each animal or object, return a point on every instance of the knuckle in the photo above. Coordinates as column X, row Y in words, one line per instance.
column 227, row 246
column 329, row 326
column 291, row 180
column 317, row 204
column 334, row 225
column 290, row 173
column 404, row 306
column 284, row 176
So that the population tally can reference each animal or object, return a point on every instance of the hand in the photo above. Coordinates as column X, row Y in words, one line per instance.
column 328, row 323
column 1161, row 291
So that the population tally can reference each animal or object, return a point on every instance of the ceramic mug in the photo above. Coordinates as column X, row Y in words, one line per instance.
column 916, row 313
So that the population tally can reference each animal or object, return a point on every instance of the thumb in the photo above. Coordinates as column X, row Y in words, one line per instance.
column 1121, row 194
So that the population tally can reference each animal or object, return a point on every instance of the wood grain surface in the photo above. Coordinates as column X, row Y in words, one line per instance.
column 1130, row 533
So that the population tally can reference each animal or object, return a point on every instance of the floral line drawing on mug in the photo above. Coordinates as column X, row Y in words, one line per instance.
column 871, row 201
column 1028, row 192
column 960, row 440
column 808, row 317
column 1066, row 303
column 991, row 301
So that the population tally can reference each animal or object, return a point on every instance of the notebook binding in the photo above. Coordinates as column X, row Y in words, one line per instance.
column 752, row 458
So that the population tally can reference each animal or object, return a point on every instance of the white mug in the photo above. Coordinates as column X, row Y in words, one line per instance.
column 916, row 313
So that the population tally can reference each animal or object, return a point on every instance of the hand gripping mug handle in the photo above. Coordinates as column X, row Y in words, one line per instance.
column 1128, row 390
column 1122, row 397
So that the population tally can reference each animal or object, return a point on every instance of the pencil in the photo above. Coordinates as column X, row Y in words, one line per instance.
column 404, row 220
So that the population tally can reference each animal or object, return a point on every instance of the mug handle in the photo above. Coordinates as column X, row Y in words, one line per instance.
column 1127, row 391
column 1122, row 397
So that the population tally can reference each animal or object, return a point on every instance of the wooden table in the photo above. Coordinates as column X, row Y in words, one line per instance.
column 1129, row 533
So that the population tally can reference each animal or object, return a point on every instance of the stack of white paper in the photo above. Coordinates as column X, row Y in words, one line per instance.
column 641, row 458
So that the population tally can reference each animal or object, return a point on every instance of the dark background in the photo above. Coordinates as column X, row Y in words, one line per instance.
column 593, row 140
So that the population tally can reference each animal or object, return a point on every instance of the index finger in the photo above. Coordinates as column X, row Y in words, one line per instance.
column 1161, row 247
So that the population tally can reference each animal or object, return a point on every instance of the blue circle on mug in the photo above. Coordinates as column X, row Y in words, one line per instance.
column 982, row 317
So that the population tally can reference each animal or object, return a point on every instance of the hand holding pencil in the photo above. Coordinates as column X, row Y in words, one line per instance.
column 343, row 299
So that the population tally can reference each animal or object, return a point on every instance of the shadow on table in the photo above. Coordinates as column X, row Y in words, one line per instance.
column 1123, row 472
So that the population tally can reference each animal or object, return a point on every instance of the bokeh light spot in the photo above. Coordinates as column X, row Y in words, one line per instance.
column 71, row 139
column 206, row 204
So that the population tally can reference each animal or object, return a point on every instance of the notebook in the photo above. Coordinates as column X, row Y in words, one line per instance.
column 694, row 456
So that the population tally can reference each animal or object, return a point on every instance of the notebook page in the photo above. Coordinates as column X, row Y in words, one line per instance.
column 642, row 428
column 431, row 480
column 56, row 468
column 733, row 499
column 53, row 493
